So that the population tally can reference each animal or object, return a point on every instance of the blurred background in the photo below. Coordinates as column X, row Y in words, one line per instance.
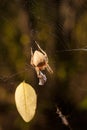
column 57, row 26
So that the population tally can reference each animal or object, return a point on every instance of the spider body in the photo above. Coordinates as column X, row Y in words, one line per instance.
column 39, row 60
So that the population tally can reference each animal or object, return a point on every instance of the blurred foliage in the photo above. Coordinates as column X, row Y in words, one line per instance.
column 83, row 104
column 57, row 26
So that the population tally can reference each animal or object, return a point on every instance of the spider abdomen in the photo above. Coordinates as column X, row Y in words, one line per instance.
column 38, row 59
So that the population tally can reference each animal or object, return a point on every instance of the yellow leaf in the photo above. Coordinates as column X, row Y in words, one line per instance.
column 26, row 101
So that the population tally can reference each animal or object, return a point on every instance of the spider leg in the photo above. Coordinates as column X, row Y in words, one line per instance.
column 49, row 69
column 31, row 62
column 37, row 71
column 41, row 49
column 31, row 53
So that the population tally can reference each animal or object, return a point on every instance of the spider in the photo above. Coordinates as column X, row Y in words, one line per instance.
column 39, row 60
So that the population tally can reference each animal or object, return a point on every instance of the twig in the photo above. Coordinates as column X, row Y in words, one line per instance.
column 63, row 118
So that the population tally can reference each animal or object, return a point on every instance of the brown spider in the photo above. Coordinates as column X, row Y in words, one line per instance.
column 39, row 60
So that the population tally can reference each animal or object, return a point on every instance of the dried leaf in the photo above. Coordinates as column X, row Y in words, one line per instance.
column 26, row 101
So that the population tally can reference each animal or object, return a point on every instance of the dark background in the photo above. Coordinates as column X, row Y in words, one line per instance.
column 56, row 25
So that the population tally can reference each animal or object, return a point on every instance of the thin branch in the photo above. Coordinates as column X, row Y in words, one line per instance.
column 63, row 118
